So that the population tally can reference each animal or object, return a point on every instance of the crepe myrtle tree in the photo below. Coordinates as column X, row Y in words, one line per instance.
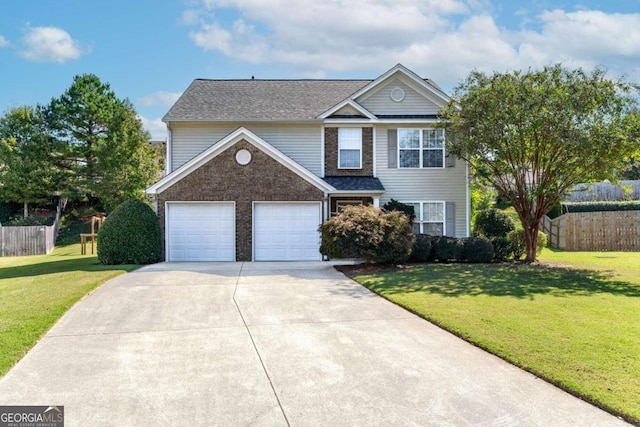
column 533, row 135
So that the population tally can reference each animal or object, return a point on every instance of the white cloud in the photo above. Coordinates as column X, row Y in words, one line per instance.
column 161, row 98
column 49, row 44
column 156, row 128
column 441, row 39
column 3, row 42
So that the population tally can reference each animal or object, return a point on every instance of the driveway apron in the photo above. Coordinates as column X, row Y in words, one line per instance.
column 270, row 344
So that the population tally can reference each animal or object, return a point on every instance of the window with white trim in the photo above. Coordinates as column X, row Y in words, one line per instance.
column 341, row 204
column 421, row 148
column 430, row 217
column 349, row 148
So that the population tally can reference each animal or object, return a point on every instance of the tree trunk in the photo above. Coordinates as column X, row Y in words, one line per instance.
column 531, row 236
column 25, row 205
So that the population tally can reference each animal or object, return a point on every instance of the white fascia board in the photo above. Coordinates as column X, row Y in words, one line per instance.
column 381, row 121
column 228, row 141
column 350, row 102
column 355, row 192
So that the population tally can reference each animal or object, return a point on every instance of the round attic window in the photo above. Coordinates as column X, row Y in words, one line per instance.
column 243, row 157
column 397, row 94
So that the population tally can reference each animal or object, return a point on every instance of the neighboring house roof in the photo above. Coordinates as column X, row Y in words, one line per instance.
column 246, row 100
column 355, row 183
column 228, row 141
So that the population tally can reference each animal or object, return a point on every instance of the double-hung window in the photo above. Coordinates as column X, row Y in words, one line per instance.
column 349, row 148
column 430, row 218
column 421, row 148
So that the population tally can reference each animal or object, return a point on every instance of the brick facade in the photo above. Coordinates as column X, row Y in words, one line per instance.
column 331, row 154
column 223, row 179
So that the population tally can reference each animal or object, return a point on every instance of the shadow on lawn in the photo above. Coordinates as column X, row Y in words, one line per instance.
column 521, row 281
column 58, row 266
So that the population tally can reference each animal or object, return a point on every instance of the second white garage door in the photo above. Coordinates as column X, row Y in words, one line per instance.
column 286, row 231
column 201, row 232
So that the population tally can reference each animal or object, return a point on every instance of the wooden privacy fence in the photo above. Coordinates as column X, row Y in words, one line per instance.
column 594, row 231
column 31, row 240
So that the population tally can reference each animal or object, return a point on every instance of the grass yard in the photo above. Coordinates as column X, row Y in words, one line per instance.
column 35, row 291
column 575, row 320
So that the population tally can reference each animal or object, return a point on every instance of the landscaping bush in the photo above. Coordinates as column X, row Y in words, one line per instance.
column 20, row 221
column 130, row 235
column 394, row 205
column 555, row 212
column 492, row 223
column 478, row 249
column 448, row 249
column 421, row 249
column 368, row 233
column 519, row 243
column 571, row 207
column 501, row 248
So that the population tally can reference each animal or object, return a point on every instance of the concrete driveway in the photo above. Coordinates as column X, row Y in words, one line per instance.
column 270, row 344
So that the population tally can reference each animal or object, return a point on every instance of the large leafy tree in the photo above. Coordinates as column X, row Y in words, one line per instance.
column 110, row 150
column 31, row 168
column 534, row 135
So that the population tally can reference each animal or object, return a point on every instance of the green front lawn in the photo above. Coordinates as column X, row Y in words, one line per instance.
column 574, row 321
column 35, row 291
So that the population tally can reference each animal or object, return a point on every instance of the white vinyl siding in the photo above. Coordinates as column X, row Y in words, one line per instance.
column 349, row 148
column 380, row 102
column 301, row 142
column 441, row 184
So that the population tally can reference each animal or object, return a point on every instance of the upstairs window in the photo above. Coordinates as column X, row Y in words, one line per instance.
column 349, row 148
column 421, row 148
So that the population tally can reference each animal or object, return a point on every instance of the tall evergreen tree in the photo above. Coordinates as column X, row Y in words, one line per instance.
column 110, row 150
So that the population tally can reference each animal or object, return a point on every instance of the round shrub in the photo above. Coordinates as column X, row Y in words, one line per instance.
column 448, row 249
column 421, row 249
column 394, row 205
column 478, row 249
column 501, row 248
column 367, row 233
column 518, row 242
column 492, row 223
column 130, row 235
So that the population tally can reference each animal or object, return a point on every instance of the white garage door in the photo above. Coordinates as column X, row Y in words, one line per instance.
column 200, row 232
column 286, row 231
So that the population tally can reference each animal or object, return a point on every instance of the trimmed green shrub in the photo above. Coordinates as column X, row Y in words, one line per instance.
column 519, row 243
column 492, row 223
column 20, row 221
column 130, row 235
column 572, row 207
column 368, row 233
column 555, row 212
column 478, row 249
column 421, row 249
column 394, row 205
column 501, row 248
column 448, row 249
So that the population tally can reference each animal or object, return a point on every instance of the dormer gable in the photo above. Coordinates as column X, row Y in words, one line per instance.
column 398, row 93
column 347, row 109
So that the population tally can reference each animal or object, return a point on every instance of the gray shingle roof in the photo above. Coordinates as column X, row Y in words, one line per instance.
column 354, row 183
column 237, row 100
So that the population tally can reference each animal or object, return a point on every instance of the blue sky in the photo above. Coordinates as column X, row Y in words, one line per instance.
column 149, row 51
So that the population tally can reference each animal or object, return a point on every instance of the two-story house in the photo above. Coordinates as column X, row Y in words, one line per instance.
column 254, row 166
